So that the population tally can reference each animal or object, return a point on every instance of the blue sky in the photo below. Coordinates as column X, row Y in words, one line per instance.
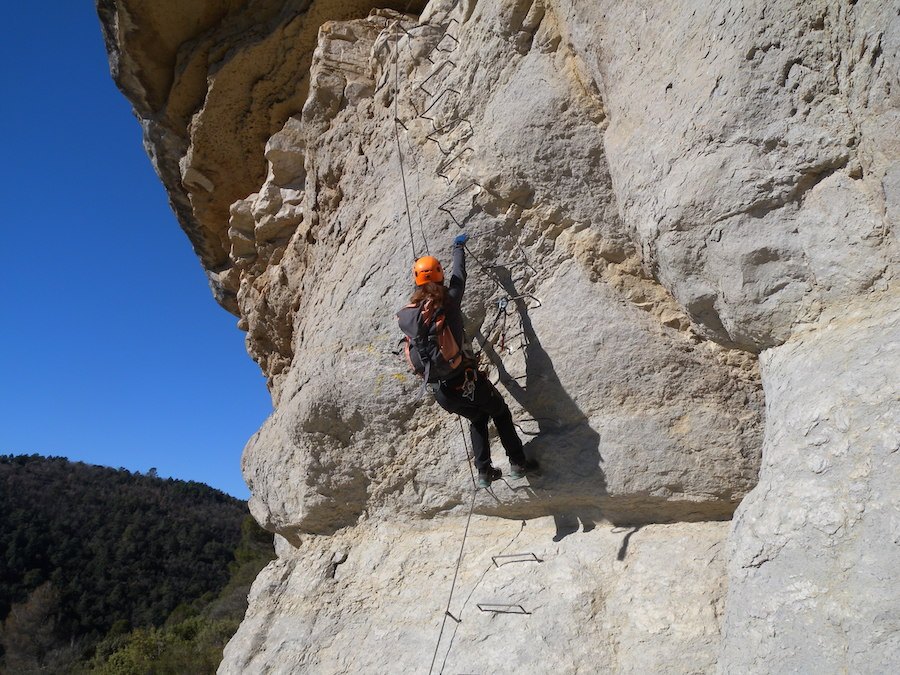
column 112, row 349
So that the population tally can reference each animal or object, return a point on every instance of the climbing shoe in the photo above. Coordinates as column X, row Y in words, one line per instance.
column 517, row 471
column 486, row 477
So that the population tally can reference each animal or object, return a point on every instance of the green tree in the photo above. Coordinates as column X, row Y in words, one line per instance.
column 121, row 549
column 30, row 638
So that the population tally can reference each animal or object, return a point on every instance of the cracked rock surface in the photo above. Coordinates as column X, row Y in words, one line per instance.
column 550, row 606
column 682, row 278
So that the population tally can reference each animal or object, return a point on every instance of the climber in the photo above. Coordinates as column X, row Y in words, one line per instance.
column 434, row 316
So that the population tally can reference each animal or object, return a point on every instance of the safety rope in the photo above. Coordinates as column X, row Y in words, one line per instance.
column 488, row 269
column 470, row 456
column 415, row 164
column 462, row 548
column 412, row 241
column 475, row 586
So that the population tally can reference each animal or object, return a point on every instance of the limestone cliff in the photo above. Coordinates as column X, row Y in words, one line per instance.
column 676, row 210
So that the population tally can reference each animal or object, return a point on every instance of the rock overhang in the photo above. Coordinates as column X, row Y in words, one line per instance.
column 211, row 82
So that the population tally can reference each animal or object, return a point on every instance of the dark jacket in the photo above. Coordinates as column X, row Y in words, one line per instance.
column 453, row 310
column 411, row 322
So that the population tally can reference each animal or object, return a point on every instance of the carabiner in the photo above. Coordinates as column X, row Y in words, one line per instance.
column 468, row 388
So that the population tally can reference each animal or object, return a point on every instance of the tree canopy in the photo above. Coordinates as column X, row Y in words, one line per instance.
column 85, row 549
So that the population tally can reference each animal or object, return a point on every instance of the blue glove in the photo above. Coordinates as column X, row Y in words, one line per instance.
column 461, row 239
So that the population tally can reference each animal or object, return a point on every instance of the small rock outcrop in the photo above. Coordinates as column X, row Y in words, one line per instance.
column 682, row 276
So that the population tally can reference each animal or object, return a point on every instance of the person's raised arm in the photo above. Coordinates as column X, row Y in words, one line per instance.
column 458, row 276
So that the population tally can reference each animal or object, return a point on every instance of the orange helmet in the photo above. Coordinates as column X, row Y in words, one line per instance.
column 428, row 268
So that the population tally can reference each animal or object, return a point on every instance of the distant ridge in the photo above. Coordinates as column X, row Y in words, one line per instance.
column 117, row 548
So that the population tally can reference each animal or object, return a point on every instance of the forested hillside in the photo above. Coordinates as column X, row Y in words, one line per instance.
column 86, row 549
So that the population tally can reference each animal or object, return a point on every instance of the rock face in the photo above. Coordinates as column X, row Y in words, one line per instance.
column 815, row 547
column 753, row 157
column 656, row 196
column 568, row 606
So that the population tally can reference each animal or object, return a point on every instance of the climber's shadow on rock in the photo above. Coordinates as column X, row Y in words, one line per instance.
column 566, row 446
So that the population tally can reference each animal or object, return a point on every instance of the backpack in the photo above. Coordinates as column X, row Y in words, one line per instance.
column 431, row 349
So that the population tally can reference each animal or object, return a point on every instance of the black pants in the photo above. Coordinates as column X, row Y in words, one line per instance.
column 487, row 404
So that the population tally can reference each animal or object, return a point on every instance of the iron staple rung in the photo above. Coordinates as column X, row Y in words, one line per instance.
column 527, row 296
column 502, row 608
column 438, row 48
column 437, row 69
column 437, row 44
column 444, row 165
column 455, row 195
column 452, row 126
column 518, row 557
column 455, row 122
column 448, row 90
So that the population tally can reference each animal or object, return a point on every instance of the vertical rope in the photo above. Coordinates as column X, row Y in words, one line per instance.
column 418, row 196
column 469, row 455
column 412, row 242
column 462, row 547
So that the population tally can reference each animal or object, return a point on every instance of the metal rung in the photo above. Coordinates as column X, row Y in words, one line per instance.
column 447, row 163
column 502, row 609
column 437, row 45
column 514, row 558
column 392, row 22
column 517, row 426
column 449, row 126
column 446, row 129
column 455, row 195
column 430, row 137
column 434, row 72
column 448, row 90
column 527, row 296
